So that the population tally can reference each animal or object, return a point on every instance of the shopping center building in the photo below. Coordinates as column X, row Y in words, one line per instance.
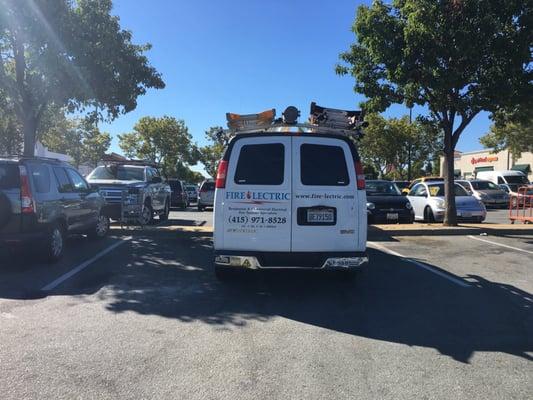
column 467, row 164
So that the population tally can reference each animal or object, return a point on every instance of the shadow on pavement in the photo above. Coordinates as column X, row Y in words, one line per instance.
column 390, row 300
column 169, row 274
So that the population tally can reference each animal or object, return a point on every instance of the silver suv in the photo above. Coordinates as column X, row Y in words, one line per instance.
column 206, row 195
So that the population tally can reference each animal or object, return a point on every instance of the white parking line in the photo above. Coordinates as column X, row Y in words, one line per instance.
column 500, row 244
column 419, row 264
column 82, row 266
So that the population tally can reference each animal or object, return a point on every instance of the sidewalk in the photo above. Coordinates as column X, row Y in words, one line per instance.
column 438, row 229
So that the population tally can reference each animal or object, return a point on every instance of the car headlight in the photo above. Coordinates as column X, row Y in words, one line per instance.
column 439, row 203
column 370, row 206
column 408, row 205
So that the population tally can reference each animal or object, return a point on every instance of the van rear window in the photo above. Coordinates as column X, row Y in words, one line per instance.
column 261, row 164
column 9, row 176
column 323, row 165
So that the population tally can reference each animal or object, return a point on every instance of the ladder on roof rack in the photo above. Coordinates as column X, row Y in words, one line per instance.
column 321, row 119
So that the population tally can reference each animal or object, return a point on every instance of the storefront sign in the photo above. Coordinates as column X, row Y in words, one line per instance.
column 483, row 159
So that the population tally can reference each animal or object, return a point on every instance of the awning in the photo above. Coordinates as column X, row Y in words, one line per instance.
column 479, row 169
column 456, row 172
column 525, row 168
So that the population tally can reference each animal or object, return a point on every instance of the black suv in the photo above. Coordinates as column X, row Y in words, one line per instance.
column 42, row 201
column 179, row 198
column 142, row 184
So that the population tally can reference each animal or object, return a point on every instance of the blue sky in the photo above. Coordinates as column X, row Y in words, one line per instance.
column 246, row 56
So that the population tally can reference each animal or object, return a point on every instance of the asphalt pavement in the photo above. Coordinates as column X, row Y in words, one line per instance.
column 436, row 317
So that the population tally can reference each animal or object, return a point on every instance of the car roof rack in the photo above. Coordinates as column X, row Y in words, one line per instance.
column 23, row 157
column 140, row 163
column 321, row 120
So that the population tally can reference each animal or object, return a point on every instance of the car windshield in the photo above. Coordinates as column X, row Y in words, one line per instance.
column 122, row 173
column 484, row 185
column 436, row 190
column 208, row 186
column 382, row 188
column 402, row 184
column 516, row 179
column 191, row 188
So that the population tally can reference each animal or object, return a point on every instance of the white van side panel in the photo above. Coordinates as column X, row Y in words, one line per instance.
column 344, row 234
column 252, row 217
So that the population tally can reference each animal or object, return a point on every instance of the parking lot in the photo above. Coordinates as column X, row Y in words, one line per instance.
column 141, row 315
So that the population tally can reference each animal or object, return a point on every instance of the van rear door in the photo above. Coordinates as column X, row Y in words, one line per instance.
column 256, row 201
column 324, row 188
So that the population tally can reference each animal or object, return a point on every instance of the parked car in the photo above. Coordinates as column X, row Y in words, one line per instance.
column 423, row 179
column 179, row 197
column 486, row 191
column 206, row 195
column 290, row 200
column 427, row 200
column 385, row 204
column 142, row 184
column 508, row 180
column 192, row 192
column 44, row 200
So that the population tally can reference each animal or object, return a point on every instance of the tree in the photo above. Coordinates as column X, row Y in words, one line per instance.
column 73, row 54
column 184, row 173
column 512, row 131
column 390, row 145
column 457, row 57
column 78, row 138
column 164, row 140
column 213, row 153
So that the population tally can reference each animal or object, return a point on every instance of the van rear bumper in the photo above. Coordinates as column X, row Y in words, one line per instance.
column 290, row 260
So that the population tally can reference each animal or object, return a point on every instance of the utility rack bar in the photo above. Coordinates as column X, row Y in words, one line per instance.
column 321, row 120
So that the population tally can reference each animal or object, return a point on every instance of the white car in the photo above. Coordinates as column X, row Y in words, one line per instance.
column 290, row 200
column 427, row 200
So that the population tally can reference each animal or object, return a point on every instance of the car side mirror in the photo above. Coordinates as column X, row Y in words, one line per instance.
column 157, row 179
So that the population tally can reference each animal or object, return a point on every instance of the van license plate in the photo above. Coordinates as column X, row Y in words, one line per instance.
column 320, row 216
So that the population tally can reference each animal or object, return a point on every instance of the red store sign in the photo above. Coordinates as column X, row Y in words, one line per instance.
column 483, row 159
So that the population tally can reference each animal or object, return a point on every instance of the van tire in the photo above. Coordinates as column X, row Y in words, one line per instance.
column 54, row 243
column 223, row 274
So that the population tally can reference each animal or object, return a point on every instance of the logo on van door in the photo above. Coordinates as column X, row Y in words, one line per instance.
column 250, row 197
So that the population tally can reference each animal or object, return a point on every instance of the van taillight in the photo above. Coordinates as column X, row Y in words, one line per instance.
column 221, row 174
column 360, row 176
column 26, row 199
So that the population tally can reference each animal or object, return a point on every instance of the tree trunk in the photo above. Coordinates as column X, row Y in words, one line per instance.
column 450, row 216
column 29, row 128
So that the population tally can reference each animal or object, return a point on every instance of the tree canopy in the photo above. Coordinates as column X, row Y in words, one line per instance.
column 512, row 131
column 212, row 153
column 69, row 54
column 456, row 57
column 390, row 144
column 165, row 140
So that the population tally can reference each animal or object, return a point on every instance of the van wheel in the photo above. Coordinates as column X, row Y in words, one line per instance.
column 428, row 215
column 101, row 229
column 223, row 274
column 54, row 243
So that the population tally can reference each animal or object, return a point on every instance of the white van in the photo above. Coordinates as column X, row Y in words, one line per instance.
column 290, row 200
column 508, row 180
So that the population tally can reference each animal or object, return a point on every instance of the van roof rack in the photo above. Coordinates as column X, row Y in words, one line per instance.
column 321, row 119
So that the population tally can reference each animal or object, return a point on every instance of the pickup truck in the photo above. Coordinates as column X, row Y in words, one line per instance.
column 132, row 183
